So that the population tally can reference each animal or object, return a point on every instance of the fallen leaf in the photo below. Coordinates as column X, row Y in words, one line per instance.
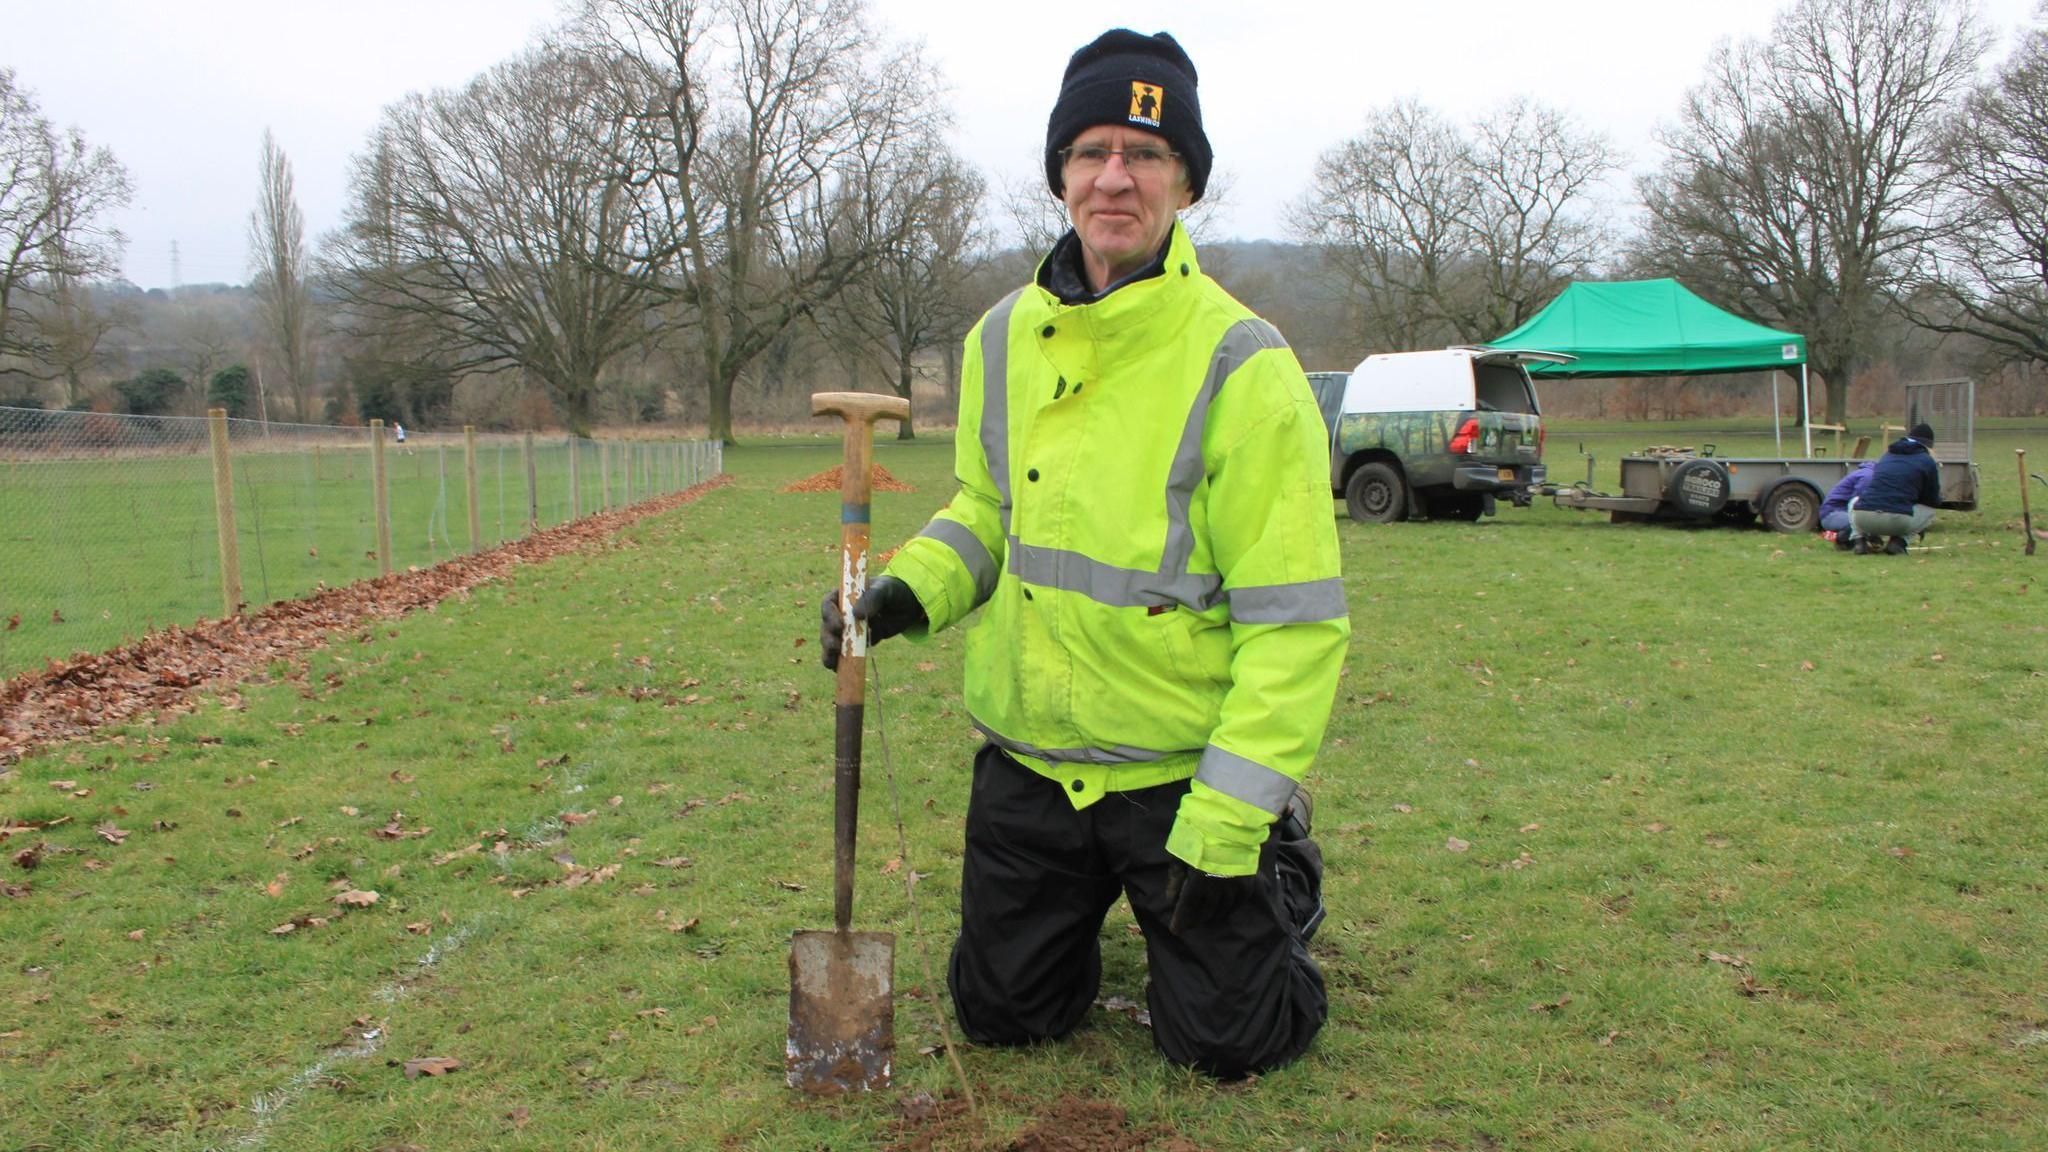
column 356, row 899
column 350, row 810
column 430, row 1066
column 1608, row 1040
column 138, row 934
column 1531, row 827
column 1552, row 1005
column 290, row 822
column 652, row 1014
column 398, row 777
column 1657, row 827
column 1751, row 988
column 394, row 829
column 1457, row 845
column 615, row 801
column 275, row 888
column 109, row 833
column 673, row 862
column 1404, row 808
column 519, row 1116
column 30, row 857
column 891, row 866
column 689, row 925
column 63, row 785
column 1731, row 961
column 419, row 927
column 552, row 761
column 790, row 886
column 575, row 818
column 1902, row 852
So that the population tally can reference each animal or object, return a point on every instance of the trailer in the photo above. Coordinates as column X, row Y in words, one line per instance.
column 1784, row 493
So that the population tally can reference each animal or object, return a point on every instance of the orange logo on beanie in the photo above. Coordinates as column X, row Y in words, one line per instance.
column 1147, row 101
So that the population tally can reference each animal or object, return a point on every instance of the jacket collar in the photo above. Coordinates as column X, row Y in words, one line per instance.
column 1155, row 293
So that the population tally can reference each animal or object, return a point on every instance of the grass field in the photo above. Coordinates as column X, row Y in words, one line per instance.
column 99, row 551
column 1754, row 858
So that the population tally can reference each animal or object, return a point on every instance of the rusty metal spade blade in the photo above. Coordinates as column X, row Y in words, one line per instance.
column 842, row 1027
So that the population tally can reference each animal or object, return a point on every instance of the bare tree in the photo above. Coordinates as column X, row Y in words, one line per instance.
column 912, row 299
column 774, row 132
column 1448, row 235
column 55, row 193
column 277, row 250
column 1989, row 275
column 1804, row 170
column 507, row 219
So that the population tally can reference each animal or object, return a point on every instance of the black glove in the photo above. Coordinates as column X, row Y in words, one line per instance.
column 1198, row 898
column 887, row 607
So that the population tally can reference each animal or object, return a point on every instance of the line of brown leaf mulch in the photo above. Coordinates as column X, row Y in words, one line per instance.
column 164, row 670
column 830, row 479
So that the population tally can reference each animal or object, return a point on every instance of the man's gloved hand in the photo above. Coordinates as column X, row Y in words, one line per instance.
column 887, row 607
column 1199, row 898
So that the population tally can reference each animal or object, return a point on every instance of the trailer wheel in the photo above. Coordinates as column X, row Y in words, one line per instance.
column 1376, row 494
column 1792, row 507
column 1698, row 488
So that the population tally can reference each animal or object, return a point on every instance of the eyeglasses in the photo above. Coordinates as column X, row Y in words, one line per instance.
column 1141, row 160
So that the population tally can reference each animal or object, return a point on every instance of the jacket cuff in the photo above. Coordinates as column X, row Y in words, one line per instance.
column 1217, row 834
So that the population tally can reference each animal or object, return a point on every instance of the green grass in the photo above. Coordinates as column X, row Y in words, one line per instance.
column 100, row 551
column 1727, row 742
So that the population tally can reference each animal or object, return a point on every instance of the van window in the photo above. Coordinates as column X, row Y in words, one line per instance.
column 1502, row 389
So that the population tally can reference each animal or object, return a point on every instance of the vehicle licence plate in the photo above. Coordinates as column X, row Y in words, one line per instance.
column 1507, row 473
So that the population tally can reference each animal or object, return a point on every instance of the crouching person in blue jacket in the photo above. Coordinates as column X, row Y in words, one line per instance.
column 1834, row 510
column 1900, row 499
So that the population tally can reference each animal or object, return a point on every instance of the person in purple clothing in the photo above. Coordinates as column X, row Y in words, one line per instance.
column 1904, row 490
column 1834, row 511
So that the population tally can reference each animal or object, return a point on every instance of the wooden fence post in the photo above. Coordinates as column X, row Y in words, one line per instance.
column 224, row 513
column 575, row 479
column 604, row 469
column 381, row 497
column 532, row 489
column 476, row 525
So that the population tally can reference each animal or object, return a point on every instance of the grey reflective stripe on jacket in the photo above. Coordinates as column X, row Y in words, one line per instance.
column 1119, row 754
column 1237, row 346
column 972, row 552
column 995, row 397
column 1171, row 582
column 1246, row 780
column 1303, row 603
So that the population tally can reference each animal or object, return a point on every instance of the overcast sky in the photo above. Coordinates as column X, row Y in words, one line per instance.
column 182, row 91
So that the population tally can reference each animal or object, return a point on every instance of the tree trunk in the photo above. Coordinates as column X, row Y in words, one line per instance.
column 903, row 382
column 720, row 423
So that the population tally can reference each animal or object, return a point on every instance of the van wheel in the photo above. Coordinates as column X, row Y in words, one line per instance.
column 1375, row 494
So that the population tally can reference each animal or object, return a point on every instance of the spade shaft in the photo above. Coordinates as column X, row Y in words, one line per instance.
column 2026, row 513
column 841, row 1003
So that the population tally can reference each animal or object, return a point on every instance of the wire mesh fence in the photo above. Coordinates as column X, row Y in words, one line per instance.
column 111, row 525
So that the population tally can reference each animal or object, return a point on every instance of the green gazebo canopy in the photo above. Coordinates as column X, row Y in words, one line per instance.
column 1648, row 328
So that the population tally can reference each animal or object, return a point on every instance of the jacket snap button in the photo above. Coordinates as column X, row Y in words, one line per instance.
column 1079, row 787
column 1183, row 269
column 1046, row 332
column 1027, row 593
column 1031, row 475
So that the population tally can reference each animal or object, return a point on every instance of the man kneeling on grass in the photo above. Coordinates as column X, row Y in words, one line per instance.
column 1144, row 524
column 1900, row 499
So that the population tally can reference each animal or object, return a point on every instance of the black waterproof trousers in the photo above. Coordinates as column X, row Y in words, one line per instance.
column 1231, row 997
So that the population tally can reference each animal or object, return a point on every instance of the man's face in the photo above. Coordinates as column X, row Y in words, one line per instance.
column 1122, row 216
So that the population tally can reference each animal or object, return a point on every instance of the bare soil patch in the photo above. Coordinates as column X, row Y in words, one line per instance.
column 1072, row 1124
column 165, row 670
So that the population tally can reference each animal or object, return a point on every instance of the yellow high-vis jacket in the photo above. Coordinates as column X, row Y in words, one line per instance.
column 1145, row 517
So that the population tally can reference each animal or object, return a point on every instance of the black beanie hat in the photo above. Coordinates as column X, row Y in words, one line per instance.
column 1125, row 78
column 1924, row 433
